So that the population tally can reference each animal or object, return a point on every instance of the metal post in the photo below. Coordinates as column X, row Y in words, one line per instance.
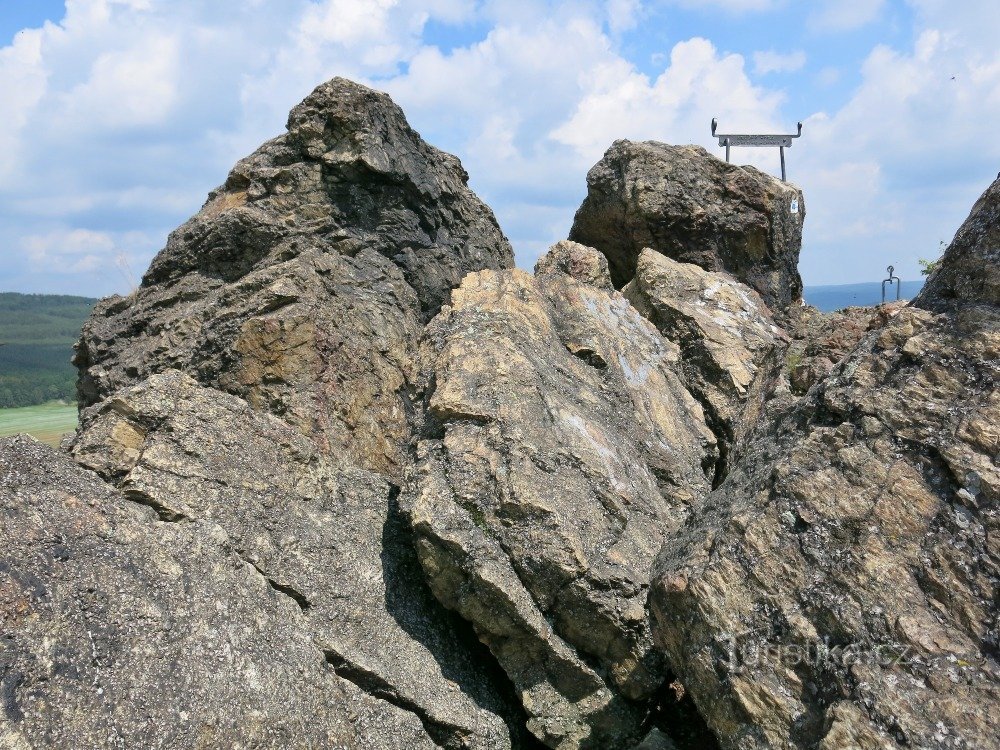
column 892, row 279
column 781, row 141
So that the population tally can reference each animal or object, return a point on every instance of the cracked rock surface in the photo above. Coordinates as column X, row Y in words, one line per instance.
column 123, row 631
column 690, row 206
column 257, row 384
column 346, row 479
column 302, row 284
column 331, row 540
column 562, row 450
column 731, row 348
column 840, row 588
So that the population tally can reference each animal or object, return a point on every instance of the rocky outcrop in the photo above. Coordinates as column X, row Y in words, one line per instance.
column 352, row 174
column 731, row 348
column 259, row 382
column 330, row 493
column 302, row 284
column 840, row 588
column 820, row 340
column 690, row 206
column 966, row 273
column 331, row 540
column 123, row 631
column 562, row 450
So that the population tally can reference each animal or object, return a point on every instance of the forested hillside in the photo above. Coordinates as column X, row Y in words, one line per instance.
column 37, row 333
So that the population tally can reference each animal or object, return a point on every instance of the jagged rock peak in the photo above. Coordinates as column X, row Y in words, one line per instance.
column 970, row 268
column 303, row 283
column 353, row 173
column 690, row 206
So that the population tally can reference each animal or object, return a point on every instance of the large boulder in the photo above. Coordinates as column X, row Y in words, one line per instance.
column 690, row 206
column 560, row 450
column 121, row 630
column 731, row 348
column 303, row 283
column 840, row 588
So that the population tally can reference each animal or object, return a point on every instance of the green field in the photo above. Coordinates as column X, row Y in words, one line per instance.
column 47, row 422
column 37, row 333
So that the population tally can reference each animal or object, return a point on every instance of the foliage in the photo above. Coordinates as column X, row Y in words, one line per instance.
column 927, row 266
column 38, row 332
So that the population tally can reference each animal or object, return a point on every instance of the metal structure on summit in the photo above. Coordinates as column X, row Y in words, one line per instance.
column 732, row 139
column 890, row 281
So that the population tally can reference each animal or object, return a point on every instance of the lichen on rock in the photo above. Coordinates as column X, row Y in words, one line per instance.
column 561, row 450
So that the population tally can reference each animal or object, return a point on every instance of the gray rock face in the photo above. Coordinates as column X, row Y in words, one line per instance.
column 122, row 631
column 302, row 284
column 351, row 173
column 821, row 340
column 970, row 268
column 731, row 348
column 690, row 206
column 840, row 588
column 331, row 540
column 562, row 449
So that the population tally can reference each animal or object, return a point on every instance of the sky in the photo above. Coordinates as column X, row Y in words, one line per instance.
column 117, row 117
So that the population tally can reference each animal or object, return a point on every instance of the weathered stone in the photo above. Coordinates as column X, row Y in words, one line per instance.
column 690, row 206
column 970, row 268
column 244, row 576
column 332, row 540
column 562, row 449
column 578, row 261
column 302, row 284
column 656, row 740
column 821, row 340
column 839, row 589
column 122, row 631
column 351, row 173
column 731, row 348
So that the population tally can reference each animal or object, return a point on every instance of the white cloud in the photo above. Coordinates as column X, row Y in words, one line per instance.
column 536, row 118
column 119, row 119
column 72, row 252
column 623, row 15
column 698, row 85
column 775, row 62
column 734, row 6
column 899, row 166
column 132, row 87
column 22, row 86
column 842, row 15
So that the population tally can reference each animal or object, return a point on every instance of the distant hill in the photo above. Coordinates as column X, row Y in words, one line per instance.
column 38, row 332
